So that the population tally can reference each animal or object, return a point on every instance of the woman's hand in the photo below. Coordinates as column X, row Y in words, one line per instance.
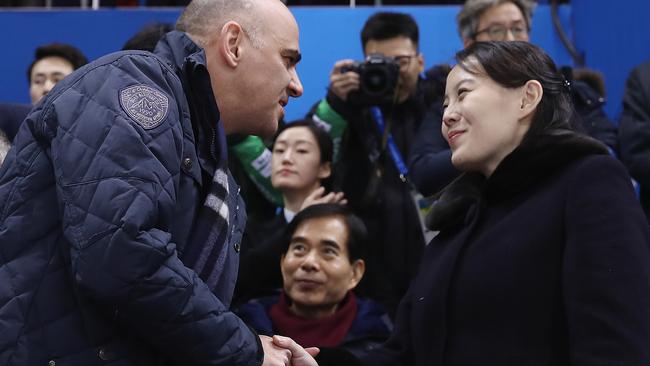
column 318, row 196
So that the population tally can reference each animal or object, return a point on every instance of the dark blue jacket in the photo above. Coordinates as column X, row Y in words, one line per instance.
column 370, row 328
column 98, row 204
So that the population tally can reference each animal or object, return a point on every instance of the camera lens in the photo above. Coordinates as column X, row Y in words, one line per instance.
column 375, row 81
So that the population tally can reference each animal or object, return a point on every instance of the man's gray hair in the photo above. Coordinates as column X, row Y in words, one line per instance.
column 5, row 145
column 472, row 10
column 204, row 19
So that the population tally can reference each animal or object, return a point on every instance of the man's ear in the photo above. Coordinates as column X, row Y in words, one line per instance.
column 532, row 93
column 230, row 42
column 420, row 61
column 467, row 42
column 358, row 269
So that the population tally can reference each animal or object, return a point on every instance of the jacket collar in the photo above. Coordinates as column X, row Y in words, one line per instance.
column 177, row 48
column 188, row 61
column 529, row 164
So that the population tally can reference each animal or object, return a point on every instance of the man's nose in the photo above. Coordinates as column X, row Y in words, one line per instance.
column 48, row 85
column 295, row 86
column 510, row 36
column 310, row 261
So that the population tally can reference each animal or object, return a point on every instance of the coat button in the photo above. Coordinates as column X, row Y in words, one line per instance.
column 237, row 247
column 51, row 363
column 187, row 164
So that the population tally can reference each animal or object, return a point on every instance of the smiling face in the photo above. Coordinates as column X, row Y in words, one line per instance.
column 296, row 162
column 410, row 61
column 483, row 121
column 316, row 268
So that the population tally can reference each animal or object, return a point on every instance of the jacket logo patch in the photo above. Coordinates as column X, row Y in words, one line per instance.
column 145, row 105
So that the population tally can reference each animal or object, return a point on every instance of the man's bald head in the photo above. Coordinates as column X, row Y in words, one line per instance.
column 203, row 19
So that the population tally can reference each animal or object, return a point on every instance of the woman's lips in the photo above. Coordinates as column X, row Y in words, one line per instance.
column 453, row 135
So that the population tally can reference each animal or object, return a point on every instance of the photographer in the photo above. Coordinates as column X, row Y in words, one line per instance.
column 370, row 159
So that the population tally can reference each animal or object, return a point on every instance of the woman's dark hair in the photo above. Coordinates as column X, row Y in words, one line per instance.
column 323, row 139
column 512, row 64
column 357, row 232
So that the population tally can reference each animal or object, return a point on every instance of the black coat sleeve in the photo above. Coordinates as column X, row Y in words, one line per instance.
column 606, row 277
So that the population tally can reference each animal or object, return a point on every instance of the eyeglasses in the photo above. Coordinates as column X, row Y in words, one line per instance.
column 499, row 32
column 403, row 61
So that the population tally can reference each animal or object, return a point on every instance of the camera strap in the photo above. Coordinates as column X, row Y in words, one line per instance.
column 422, row 204
column 378, row 117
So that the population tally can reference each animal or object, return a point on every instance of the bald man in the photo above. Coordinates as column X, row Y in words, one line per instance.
column 120, row 225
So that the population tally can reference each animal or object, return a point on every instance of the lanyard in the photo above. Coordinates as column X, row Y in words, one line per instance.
column 392, row 148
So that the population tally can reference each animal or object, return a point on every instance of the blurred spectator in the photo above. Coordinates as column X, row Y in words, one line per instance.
column 52, row 62
column 301, row 168
column 147, row 37
column 499, row 20
column 373, row 113
column 634, row 130
column 322, row 262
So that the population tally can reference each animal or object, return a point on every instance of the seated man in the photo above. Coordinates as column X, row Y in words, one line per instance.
column 498, row 20
column 321, row 265
column 634, row 130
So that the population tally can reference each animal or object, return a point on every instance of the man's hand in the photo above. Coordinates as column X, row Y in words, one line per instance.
column 275, row 355
column 299, row 356
column 341, row 84
column 317, row 197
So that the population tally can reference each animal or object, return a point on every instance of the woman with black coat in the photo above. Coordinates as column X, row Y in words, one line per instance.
column 543, row 255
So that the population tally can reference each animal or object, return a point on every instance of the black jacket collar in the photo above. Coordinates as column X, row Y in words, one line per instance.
column 526, row 166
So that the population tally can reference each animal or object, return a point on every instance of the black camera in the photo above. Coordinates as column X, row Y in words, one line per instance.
column 378, row 78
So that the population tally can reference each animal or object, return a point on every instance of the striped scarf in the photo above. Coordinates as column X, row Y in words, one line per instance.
column 207, row 250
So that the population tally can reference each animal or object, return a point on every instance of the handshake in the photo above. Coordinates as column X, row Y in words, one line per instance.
column 285, row 351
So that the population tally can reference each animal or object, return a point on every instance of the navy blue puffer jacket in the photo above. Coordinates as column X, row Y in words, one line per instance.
column 97, row 206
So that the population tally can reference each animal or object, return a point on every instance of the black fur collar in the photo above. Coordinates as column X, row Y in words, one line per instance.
column 527, row 165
